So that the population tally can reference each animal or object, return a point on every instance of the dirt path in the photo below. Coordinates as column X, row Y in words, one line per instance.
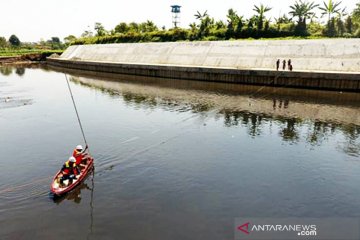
column 24, row 59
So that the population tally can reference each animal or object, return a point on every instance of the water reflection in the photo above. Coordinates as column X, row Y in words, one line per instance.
column 20, row 71
column 164, row 145
column 281, row 104
column 6, row 70
column 289, row 133
column 74, row 195
column 299, row 121
column 292, row 128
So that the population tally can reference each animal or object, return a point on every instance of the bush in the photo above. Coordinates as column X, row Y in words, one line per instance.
column 131, row 37
column 14, row 41
column 357, row 33
column 315, row 29
column 211, row 38
column 347, row 35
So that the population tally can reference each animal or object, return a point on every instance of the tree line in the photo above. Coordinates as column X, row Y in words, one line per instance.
column 14, row 43
column 301, row 21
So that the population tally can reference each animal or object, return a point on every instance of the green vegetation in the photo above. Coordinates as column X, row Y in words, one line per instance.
column 302, row 22
column 14, row 41
column 19, row 52
column 14, row 47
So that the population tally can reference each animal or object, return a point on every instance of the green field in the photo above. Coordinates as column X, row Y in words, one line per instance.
column 20, row 52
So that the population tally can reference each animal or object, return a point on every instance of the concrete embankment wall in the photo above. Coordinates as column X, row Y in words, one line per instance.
column 248, row 62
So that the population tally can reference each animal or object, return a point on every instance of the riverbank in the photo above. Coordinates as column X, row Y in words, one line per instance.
column 336, row 81
column 318, row 64
column 26, row 58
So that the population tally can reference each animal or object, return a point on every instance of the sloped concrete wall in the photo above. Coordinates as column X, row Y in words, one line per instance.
column 314, row 55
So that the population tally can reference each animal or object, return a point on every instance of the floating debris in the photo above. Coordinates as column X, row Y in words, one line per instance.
column 10, row 102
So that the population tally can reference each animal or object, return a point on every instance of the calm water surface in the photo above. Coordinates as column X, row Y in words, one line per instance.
column 173, row 159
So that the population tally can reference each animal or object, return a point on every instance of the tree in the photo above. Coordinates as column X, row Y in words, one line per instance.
column 356, row 13
column 200, row 16
column 55, row 40
column 234, row 24
column 230, row 32
column 267, row 25
column 14, row 41
column 348, row 25
column 205, row 23
column 340, row 27
column 100, row 30
column 147, row 26
column 87, row 34
column 261, row 10
column 134, row 27
column 220, row 25
column 232, row 16
column 250, row 23
column 239, row 27
column 3, row 42
column 55, row 43
column 193, row 27
column 302, row 11
column 330, row 8
column 69, row 39
column 193, row 31
column 281, row 21
column 330, row 30
column 121, row 28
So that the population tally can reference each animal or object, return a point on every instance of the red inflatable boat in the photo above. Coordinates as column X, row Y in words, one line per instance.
column 58, row 190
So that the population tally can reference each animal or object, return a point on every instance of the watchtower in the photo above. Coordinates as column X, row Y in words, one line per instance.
column 175, row 9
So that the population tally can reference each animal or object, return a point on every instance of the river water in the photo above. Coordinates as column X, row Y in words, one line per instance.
column 173, row 159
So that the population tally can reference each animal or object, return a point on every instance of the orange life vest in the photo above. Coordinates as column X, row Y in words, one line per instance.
column 78, row 156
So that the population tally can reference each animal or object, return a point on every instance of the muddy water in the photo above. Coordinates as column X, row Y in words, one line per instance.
column 173, row 159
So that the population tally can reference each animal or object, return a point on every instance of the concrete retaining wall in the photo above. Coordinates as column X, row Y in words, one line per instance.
column 311, row 80
column 317, row 55
column 324, row 64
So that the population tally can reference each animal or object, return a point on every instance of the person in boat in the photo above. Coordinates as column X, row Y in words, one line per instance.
column 69, row 171
column 80, row 155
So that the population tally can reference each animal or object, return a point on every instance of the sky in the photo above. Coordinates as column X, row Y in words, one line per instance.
column 35, row 20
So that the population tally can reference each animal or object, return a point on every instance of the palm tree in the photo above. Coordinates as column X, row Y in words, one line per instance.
column 261, row 10
column 356, row 12
column 205, row 23
column 282, row 19
column 303, row 10
column 200, row 16
column 232, row 16
column 330, row 8
column 193, row 27
column 148, row 26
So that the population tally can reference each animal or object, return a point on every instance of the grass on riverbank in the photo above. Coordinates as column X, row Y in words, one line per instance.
column 177, row 35
column 21, row 52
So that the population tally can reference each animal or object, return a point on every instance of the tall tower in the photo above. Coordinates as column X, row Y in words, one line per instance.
column 175, row 9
